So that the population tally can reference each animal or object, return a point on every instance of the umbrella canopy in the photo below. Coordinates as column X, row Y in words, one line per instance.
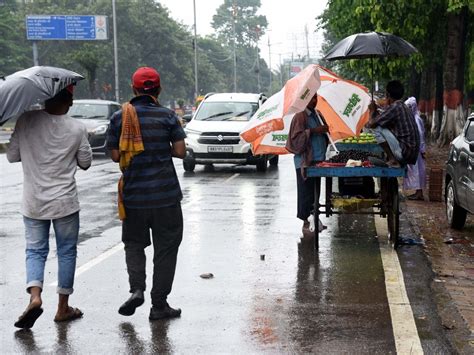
column 343, row 103
column 27, row 89
column 281, row 107
column 370, row 45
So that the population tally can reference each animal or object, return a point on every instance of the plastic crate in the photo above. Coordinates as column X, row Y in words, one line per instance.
column 436, row 184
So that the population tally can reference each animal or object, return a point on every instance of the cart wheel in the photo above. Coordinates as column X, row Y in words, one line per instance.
column 393, row 216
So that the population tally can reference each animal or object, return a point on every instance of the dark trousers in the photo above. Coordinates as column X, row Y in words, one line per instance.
column 166, row 226
column 305, row 188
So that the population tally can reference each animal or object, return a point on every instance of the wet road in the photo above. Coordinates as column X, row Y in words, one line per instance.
column 293, row 301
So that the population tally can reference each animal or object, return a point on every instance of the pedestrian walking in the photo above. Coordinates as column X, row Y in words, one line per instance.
column 416, row 173
column 307, row 140
column 50, row 146
column 144, row 137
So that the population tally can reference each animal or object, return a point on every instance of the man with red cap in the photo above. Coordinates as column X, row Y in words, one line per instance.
column 144, row 137
column 50, row 145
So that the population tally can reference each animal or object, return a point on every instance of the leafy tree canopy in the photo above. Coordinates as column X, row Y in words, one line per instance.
column 249, row 27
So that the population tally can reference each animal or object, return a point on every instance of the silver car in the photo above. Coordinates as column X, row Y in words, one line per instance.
column 459, row 179
column 95, row 114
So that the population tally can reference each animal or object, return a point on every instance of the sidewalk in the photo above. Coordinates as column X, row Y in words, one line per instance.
column 451, row 254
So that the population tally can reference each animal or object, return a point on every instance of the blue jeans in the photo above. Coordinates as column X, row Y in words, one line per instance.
column 66, row 230
column 385, row 135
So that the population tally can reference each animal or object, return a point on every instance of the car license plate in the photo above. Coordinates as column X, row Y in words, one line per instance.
column 220, row 149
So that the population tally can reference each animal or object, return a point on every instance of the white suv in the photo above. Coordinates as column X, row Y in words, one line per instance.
column 213, row 134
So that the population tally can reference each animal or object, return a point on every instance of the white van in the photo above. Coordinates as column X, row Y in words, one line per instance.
column 213, row 134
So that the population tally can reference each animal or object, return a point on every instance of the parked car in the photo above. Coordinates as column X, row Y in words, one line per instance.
column 213, row 134
column 95, row 114
column 459, row 179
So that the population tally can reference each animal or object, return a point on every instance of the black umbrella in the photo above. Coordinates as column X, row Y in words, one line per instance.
column 27, row 89
column 370, row 45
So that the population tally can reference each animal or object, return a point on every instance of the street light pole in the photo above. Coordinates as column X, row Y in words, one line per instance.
column 258, row 69
column 233, row 40
column 196, row 88
column 257, row 36
column 35, row 54
column 269, row 66
column 117, row 91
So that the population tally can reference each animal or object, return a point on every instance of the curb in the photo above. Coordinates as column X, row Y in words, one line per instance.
column 448, row 286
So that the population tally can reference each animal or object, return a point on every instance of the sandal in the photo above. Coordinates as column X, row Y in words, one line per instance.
column 29, row 317
column 72, row 313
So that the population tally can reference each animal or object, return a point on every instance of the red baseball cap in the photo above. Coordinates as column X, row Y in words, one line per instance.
column 145, row 78
column 70, row 88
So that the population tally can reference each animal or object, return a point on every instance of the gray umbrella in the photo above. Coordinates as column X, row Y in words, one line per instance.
column 27, row 89
column 370, row 45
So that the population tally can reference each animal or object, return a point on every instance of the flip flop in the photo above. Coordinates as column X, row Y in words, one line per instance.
column 28, row 318
column 73, row 313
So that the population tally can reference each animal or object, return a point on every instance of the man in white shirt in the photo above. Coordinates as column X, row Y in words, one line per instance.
column 50, row 146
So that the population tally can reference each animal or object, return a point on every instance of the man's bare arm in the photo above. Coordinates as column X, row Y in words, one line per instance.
column 115, row 155
column 178, row 149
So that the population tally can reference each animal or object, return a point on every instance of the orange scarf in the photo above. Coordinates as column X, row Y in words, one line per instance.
column 131, row 144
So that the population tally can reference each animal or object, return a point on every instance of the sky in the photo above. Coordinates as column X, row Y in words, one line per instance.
column 286, row 25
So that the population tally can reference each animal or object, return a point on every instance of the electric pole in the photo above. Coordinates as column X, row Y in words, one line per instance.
column 269, row 65
column 307, row 43
column 196, row 87
column 117, row 91
column 257, row 36
column 233, row 42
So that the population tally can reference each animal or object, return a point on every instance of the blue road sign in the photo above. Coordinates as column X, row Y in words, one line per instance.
column 52, row 27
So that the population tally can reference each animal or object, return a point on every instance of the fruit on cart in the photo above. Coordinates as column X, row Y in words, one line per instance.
column 363, row 138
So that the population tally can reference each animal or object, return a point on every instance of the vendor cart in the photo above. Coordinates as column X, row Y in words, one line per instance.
column 386, row 204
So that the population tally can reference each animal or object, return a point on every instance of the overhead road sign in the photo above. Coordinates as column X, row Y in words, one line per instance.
column 70, row 27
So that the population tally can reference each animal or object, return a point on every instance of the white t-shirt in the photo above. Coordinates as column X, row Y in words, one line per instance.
column 50, row 147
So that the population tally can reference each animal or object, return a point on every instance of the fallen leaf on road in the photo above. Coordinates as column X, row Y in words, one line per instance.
column 206, row 276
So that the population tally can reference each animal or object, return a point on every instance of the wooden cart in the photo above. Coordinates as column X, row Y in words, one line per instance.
column 388, row 205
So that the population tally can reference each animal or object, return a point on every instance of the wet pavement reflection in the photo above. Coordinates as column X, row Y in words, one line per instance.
column 270, row 293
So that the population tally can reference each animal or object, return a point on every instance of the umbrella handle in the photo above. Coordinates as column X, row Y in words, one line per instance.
column 372, row 74
column 328, row 135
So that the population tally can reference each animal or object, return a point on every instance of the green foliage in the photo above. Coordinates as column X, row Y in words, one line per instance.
column 15, row 50
column 147, row 36
column 419, row 22
column 249, row 27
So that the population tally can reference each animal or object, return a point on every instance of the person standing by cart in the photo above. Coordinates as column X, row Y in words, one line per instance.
column 307, row 140
column 416, row 173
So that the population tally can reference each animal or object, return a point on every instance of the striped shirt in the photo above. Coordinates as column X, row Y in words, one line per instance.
column 399, row 119
column 150, row 181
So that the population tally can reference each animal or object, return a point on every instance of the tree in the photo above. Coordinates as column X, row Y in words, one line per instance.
column 240, row 17
column 453, row 119
column 89, row 58
column 147, row 36
column 16, row 51
column 437, row 28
